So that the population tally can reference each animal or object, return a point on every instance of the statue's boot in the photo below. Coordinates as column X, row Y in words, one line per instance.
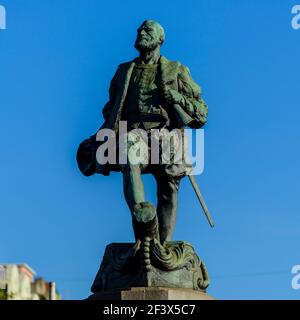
column 145, row 222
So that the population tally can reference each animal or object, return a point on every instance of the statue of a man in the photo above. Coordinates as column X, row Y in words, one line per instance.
column 150, row 92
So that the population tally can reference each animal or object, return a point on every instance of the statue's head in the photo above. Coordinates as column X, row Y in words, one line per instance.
column 150, row 35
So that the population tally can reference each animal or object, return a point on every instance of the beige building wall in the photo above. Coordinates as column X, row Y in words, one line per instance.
column 19, row 281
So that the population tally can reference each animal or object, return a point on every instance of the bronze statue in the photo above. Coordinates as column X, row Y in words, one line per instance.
column 150, row 93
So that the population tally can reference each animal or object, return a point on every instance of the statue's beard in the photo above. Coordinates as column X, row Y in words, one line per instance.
column 146, row 45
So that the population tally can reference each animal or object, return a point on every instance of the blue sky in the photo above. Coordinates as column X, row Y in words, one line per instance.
column 57, row 59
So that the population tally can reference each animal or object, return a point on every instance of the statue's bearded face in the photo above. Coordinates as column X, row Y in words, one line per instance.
column 149, row 37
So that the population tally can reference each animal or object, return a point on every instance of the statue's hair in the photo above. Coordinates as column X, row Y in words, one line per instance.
column 162, row 31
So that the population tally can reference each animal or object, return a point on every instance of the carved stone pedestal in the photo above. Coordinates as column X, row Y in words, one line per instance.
column 147, row 270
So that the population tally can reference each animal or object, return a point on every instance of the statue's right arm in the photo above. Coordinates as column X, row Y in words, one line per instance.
column 112, row 95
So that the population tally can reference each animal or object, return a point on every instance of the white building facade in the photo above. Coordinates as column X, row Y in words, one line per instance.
column 18, row 283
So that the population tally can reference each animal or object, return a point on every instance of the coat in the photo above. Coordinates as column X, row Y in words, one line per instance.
column 173, row 74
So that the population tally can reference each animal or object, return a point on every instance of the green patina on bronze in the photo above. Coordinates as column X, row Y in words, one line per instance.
column 149, row 92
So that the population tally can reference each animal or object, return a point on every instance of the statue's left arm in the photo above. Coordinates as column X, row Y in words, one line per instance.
column 192, row 101
column 188, row 96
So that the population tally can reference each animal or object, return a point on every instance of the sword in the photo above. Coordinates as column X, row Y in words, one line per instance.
column 201, row 200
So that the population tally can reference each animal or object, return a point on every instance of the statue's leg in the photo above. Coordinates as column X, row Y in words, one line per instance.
column 167, row 200
column 133, row 185
column 144, row 218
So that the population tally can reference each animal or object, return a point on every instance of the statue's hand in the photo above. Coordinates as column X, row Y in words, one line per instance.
column 172, row 96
